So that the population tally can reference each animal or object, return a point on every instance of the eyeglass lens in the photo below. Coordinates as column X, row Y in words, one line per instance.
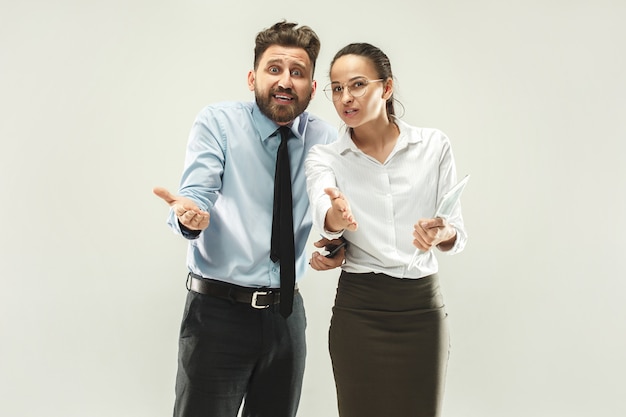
column 356, row 88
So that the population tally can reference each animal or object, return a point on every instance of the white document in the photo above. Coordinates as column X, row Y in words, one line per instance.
column 444, row 210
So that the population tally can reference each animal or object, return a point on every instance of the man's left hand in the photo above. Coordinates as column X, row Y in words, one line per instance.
column 320, row 262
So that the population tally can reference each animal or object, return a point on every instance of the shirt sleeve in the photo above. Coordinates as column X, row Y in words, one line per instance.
column 447, row 180
column 319, row 176
column 204, row 167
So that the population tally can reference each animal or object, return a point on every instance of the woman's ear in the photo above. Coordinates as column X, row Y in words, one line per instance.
column 388, row 89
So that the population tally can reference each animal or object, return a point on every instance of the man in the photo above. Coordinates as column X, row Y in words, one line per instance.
column 238, row 338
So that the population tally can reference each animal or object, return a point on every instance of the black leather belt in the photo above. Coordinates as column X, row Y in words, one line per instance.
column 257, row 297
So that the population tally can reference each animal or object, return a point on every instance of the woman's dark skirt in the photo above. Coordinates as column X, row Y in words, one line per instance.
column 389, row 346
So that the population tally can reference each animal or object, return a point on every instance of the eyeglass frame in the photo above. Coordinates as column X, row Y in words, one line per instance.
column 329, row 89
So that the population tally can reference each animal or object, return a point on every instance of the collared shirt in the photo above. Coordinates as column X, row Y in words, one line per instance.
column 386, row 199
column 229, row 172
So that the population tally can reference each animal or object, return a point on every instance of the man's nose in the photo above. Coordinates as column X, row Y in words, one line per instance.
column 285, row 80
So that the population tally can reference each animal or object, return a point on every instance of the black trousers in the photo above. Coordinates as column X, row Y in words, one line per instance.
column 389, row 346
column 231, row 353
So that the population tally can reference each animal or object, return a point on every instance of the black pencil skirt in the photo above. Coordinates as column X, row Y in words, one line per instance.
column 389, row 346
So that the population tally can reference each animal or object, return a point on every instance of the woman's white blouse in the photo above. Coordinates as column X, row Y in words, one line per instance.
column 386, row 199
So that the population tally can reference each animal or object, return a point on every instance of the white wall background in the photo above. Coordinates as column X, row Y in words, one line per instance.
column 97, row 98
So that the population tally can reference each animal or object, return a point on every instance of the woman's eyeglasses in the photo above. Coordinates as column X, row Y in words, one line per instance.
column 356, row 88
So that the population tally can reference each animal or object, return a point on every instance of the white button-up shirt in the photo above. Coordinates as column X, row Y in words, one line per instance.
column 386, row 199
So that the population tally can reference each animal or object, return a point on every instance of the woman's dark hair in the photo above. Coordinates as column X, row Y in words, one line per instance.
column 286, row 34
column 376, row 57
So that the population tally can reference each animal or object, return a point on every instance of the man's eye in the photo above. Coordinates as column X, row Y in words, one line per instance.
column 273, row 69
column 296, row 73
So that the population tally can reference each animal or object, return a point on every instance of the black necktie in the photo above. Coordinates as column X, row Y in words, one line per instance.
column 282, row 225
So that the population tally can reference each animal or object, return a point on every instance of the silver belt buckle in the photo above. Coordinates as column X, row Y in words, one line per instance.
column 255, row 295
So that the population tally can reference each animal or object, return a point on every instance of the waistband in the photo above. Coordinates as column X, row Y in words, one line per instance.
column 259, row 298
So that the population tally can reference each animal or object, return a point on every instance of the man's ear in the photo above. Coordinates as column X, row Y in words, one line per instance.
column 251, row 79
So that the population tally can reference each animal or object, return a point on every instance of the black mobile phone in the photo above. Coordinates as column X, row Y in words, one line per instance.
column 334, row 249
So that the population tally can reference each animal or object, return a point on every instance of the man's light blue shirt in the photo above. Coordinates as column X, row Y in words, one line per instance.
column 229, row 172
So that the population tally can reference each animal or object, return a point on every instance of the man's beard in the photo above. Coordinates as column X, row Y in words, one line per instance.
column 281, row 113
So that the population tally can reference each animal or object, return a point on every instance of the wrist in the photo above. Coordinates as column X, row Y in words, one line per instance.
column 331, row 225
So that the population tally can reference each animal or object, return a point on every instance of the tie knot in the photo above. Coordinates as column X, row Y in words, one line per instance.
column 285, row 132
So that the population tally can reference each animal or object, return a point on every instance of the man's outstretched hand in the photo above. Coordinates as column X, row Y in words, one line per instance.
column 187, row 212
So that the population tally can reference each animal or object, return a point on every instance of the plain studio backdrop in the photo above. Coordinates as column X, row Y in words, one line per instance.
column 97, row 99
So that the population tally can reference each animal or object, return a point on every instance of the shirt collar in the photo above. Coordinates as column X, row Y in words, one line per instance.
column 406, row 136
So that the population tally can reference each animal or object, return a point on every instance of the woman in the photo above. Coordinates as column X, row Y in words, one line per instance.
column 377, row 187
